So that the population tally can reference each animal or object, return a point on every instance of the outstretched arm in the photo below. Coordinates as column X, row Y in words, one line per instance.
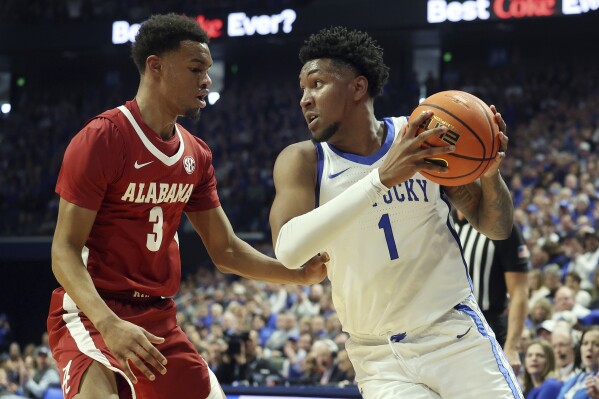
column 231, row 254
column 487, row 203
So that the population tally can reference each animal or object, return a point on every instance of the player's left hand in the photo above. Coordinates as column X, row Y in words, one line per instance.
column 494, row 168
column 514, row 358
column 315, row 270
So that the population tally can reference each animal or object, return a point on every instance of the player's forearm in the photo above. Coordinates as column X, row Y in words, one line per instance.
column 71, row 274
column 516, row 317
column 495, row 209
column 244, row 260
column 304, row 236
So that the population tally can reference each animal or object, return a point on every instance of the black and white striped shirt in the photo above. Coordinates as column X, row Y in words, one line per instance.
column 488, row 260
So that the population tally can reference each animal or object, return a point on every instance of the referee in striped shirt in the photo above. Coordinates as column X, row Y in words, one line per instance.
column 499, row 268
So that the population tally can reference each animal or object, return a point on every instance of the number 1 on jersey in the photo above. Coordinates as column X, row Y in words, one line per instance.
column 385, row 224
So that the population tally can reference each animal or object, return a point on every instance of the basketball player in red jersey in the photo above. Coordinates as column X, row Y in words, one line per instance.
column 125, row 180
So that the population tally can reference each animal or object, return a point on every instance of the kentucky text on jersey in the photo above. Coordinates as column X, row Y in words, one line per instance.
column 157, row 193
column 407, row 191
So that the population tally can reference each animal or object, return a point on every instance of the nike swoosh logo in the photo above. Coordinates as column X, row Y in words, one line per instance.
column 333, row 175
column 141, row 165
column 462, row 335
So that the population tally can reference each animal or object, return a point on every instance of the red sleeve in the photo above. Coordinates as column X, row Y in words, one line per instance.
column 92, row 160
column 204, row 196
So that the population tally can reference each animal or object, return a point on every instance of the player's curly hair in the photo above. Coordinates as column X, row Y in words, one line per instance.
column 163, row 33
column 349, row 47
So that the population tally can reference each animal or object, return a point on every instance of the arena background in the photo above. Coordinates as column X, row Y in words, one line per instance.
column 65, row 51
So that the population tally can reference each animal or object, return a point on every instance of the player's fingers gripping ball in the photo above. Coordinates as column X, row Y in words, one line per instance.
column 473, row 130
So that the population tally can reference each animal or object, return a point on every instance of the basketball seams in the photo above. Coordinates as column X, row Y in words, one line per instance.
column 460, row 121
column 484, row 107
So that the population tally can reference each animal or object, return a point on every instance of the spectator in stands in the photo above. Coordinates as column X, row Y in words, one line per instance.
column 528, row 335
column 581, row 297
column 286, row 327
column 243, row 363
column 565, row 301
column 44, row 375
column 318, row 327
column 545, row 330
column 345, row 365
column 309, row 305
column 540, row 311
column 552, row 275
column 536, row 288
column 295, row 353
column 14, row 364
column 582, row 384
column 586, row 263
column 333, row 326
column 563, row 342
column 325, row 351
column 539, row 380
column 555, row 254
column 8, row 389
column 259, row 325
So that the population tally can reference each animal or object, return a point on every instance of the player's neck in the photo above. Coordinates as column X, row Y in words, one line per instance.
column 155, row 114
column 363, row 136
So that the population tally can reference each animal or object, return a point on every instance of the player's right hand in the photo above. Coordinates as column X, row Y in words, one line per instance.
column 315, row 270
column 129, row 342
column 406, row 156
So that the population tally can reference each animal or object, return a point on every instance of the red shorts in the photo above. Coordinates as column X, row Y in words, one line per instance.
column 75, row 343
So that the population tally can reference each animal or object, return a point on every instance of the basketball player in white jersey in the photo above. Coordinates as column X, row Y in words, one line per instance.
column 400, row 285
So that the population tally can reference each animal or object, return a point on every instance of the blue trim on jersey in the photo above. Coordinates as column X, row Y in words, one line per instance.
column 369, row 160
column 494, row 344
column 319, row 171
column 456, row 236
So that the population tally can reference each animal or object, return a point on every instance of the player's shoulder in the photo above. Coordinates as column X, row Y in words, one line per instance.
column 99, row 128
column 303, row 152
column 297, row 161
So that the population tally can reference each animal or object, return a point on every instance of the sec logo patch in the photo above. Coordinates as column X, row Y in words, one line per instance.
column 189, row 164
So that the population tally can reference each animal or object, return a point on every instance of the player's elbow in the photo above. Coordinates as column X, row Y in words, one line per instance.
column 285, row 250
column 224, row 268
column 222, row 263
column 288, row 256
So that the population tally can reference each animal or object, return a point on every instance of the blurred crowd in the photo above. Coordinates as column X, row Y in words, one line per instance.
column 27, row 372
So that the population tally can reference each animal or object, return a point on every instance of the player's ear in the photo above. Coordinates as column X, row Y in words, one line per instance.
column 154, row 64
column 360, row 87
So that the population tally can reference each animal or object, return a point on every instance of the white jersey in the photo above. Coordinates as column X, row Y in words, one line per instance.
column 399, row 265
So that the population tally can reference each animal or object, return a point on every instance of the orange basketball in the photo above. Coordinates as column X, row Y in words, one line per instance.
column 472, row 129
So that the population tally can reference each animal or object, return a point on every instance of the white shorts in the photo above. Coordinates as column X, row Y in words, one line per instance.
column 457, row 357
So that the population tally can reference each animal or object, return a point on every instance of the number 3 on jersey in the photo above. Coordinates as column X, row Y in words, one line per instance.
column 155, row 238
column 385, row 224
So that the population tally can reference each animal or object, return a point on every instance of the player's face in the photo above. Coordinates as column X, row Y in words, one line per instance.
column 185, row 80
column 326, row 91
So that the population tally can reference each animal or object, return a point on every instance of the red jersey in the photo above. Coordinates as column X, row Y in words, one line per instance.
column 140, row 185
